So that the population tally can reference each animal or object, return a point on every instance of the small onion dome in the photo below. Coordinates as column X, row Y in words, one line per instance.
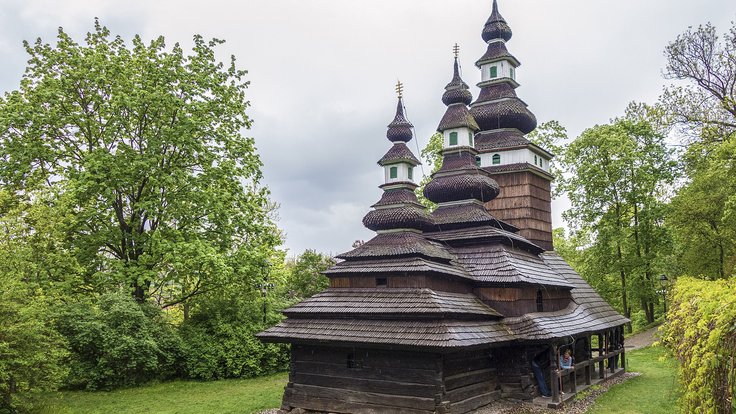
column 457, row 91
column 496, row 27
column 509, row 113
column 457, row 116
column 400, row 128
column 401, row 217
column 398, row 196
column 399, row 152
column 447, row 188
column 496, row 51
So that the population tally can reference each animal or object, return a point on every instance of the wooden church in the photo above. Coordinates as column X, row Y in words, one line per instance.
column 448, row 311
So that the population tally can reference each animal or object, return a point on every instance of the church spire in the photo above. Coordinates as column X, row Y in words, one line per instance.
column 398, row 209
column 496, row 27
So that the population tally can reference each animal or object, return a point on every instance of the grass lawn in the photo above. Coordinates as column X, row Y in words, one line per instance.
column 654, row 392
column 177, row 397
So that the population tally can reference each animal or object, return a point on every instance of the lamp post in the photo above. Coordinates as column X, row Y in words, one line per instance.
column 264, row 287
column 663, row 283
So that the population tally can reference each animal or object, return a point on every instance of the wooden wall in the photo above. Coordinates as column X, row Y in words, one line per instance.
column 350, row 380
column 470, row 380
column 520, row 301
column 401, row 281
column 525, row 202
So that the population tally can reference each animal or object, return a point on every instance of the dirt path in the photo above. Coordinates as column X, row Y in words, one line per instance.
column 642, row 339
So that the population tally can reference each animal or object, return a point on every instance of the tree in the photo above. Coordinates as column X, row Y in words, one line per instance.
column 702, row 216
column 145, row 143
column 617, row 187
column 432, row 156
column 305, row 274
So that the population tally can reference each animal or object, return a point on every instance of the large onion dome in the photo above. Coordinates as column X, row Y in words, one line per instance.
column 496, row 27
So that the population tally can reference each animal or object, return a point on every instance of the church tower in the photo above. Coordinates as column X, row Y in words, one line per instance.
column 520, row 167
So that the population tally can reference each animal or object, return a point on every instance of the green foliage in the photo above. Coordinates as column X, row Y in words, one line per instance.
column 305, row 274
column 432, row 156
column 550, row 136
column 144, row 144
column 175, row 397
column 117, row 342
column 701, row 333
column 619, row 176
column 219, row 339
column 31, row 352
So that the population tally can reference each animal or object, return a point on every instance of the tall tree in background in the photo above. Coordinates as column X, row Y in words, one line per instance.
column 703, row 214
column 145, row 145
column 432, row 157
column 618, row 174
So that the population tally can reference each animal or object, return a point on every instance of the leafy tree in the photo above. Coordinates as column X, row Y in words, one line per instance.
column 117, row 342
column 702, row 214
column 305, row 274
column 145, row 145
column 31, row 351
column 550, row 135
column 432, row 156
column 619, row 174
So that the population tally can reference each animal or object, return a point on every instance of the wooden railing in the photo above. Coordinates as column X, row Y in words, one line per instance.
column 588, row 366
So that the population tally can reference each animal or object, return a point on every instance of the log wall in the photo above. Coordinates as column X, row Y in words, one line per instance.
column 470, row 380
column 400, row 281
column 352, row 380
column 520, row 301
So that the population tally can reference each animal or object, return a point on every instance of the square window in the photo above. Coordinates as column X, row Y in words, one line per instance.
column 494, row 72
column 381, row 282
column 393, row 172
column 453, row 138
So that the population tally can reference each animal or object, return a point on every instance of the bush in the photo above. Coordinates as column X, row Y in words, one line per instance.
column 118, row 342
column 219, row 342
column 701, row 333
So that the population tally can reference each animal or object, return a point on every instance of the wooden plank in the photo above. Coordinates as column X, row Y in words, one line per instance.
column 294, row 399
column 372, row 358
column 466, row 378
column 361, row 397
column 469, row 391
column 368, row 385
column 340, row 282
column 418, row 376
column 475, row 402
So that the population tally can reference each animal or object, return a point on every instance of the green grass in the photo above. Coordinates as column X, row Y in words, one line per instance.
column 177, row 397
column 653, row 392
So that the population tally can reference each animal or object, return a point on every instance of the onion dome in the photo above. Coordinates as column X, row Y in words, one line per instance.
column 457, row 187
column 507, row 113
column 457, row 91
column 496, row 27
column 398, row 209
column 400, row 128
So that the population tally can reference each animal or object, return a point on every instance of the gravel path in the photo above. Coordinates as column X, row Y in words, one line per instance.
column 642, row 339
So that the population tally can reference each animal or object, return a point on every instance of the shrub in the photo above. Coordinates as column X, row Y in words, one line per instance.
column 219, row 342
column 701, row 333
column 117, row 342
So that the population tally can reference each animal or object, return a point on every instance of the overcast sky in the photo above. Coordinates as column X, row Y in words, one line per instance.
column 323, row 72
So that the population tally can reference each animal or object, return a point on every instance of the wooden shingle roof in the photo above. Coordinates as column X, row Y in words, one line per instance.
column 394, row 303
column 397, row 265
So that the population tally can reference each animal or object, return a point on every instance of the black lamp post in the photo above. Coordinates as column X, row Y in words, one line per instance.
column 264, row 287
column 663, row 282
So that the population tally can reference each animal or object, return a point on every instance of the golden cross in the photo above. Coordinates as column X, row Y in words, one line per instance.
column 400, row 88
column 456, row 49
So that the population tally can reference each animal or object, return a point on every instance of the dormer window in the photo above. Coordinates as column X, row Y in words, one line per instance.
column 494, row 72
column 393, row 172
column 453, row 138
column 496, row 159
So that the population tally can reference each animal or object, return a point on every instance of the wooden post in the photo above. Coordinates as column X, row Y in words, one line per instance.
column 623, row 350
column 589, row 351
column 601, row 347
column 611, row 360
column 554, row 375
